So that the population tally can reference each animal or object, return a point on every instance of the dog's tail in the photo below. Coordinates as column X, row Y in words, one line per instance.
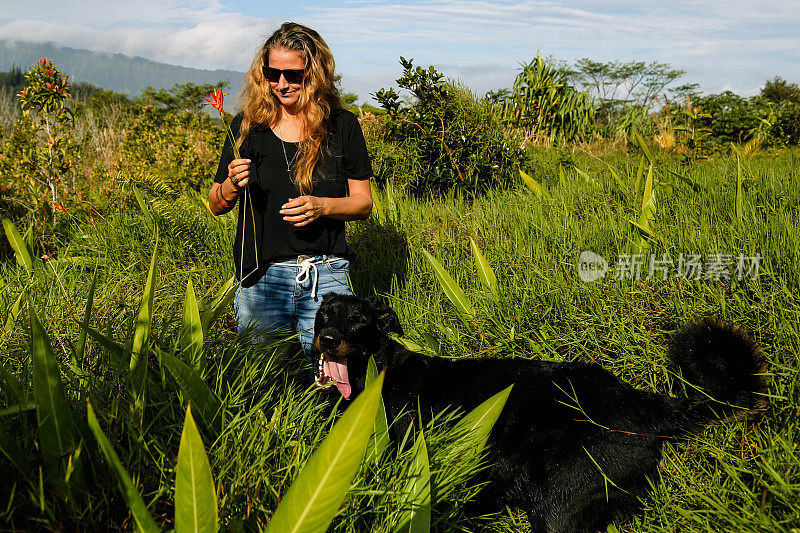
column 723, row 370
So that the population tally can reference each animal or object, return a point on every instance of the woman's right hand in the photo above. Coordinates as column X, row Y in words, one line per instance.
column 238, row 173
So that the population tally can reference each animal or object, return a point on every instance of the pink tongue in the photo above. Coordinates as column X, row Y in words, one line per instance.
column 338, row 372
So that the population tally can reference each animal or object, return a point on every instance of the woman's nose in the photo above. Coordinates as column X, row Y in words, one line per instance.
column 282, row 83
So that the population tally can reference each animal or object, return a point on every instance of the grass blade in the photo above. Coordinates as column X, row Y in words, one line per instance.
column 485, row 272
column 195, row 496
column 12, row 315
column 10, row 449
column 378, row 210
column 450, row 287
column 533, row 185
column 643, row 146
column 141, row 515
column 379, row 440
column 19, row 393
column 416, row 516
column 192, row 330
column 145, row 210
column 478, row 423
column 315, row 496
column 56, row 427
column 639, row 175
column 218, row 304
column 738, row 205
column 196, row 390
column 21, row 251
column 80, row 349
column 138, row 364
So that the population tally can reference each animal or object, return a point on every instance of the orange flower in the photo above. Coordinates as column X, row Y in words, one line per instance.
column 59, row 207
column 217, row 97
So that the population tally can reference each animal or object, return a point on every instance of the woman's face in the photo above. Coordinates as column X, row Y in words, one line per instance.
column 286, row 93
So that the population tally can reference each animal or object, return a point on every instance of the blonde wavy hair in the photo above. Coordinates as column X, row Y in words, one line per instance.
column 318, row 97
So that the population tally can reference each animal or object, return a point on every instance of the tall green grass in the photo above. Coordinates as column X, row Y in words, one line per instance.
column 730, row 477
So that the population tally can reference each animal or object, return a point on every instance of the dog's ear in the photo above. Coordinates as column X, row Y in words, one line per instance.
column 386, row 317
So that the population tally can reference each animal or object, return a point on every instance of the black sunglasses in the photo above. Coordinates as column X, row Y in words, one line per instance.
column 292, row 75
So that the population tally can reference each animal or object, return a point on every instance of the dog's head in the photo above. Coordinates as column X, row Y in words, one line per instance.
column 347, row 331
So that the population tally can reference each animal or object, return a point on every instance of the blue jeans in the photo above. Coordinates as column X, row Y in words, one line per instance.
column 286, row 298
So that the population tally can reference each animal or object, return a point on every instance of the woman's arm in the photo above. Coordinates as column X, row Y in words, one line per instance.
column 222, row 196
column 303, row 210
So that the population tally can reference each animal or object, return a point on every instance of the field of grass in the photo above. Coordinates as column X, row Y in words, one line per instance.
column 731, row 476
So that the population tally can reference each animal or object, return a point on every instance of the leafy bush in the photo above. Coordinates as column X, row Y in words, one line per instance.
column 182, row 149
column 786, row 127
column 544, row 105
column 445, row 140
column 733, row 117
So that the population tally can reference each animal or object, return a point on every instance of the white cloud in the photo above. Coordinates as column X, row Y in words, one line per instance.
column 733, row 42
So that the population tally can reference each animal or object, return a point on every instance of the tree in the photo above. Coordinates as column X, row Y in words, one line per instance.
column 778, row 90
column 617, row 84
column 182, row 97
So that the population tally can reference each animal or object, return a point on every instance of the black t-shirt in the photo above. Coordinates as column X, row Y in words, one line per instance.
column 261, row 228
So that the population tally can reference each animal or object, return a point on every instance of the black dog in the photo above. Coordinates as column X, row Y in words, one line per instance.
column 548, row 458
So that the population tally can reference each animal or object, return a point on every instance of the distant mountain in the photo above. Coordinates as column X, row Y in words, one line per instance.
column 117, row 72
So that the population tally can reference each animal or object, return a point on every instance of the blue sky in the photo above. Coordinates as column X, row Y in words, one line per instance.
column 733, row 45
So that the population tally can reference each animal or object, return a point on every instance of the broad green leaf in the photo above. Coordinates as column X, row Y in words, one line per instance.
column 478, row 423
column 561, row 179
column 141, row 515
column 532, row 184
column 585, row 175
column 315, row 496
column 145, row 210
column 196, row 390
column 12, row 315
column 17, row 409
column 410, row 345
column 693, row 184
column 379, row 440
column 138, row 364
column 192, row 329
column 56, row 428
column 218, row 304
column 621, row 184
column 416, row 498
column 195, row 496
column 643, row 146
column 450, row 288
column 639, row 175
column 485, row 272
column 87, row 313
column 645, row 230
column 21, row 251
column 648, row 211
column 117, row 351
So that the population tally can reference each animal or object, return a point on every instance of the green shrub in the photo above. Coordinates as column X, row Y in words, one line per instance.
column 182, row 149
column 786, row 127
column 445, row 140
column 545, row 106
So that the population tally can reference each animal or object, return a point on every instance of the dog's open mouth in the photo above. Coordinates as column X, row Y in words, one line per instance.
column 333, row 371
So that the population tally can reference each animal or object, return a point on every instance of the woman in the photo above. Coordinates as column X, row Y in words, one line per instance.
column 303, row 172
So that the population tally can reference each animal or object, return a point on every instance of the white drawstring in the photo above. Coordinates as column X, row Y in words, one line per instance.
column 304, row 271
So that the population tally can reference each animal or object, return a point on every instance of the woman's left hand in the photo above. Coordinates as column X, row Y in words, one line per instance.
column 303, row 210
